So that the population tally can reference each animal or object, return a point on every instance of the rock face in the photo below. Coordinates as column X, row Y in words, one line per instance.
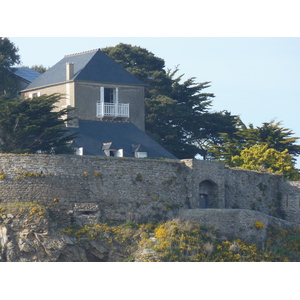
column 32, row 235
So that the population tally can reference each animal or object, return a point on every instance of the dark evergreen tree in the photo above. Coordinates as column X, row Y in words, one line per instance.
column 8, row 57
column 33, row 125
column 272, row 134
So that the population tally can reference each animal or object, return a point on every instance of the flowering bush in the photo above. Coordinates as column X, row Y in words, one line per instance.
column 259, row 225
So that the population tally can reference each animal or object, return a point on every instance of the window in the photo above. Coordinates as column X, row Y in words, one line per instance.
column 111, row 152
column 118, row 153
column 114, row 153
column 139, row 154
column 79, row 151
column 139, row 151
column 108, row 95
column 38, row 94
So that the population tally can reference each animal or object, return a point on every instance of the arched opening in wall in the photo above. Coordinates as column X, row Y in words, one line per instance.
column 208, row 194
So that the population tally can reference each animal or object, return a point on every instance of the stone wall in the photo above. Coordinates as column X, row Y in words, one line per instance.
column 254, row 191
column 236, row 223
column 142, row 190
column 291, row 200
column 236, row 188
column 124, row 189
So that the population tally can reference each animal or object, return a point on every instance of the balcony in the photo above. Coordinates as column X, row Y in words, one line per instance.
column 114, row 110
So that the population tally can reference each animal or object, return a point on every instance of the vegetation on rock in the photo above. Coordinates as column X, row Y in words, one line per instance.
column 33, row 232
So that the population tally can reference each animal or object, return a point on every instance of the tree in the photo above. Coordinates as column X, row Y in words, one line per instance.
column 262, row 158
column 176, row 116
column 41, row 69
column 176, row 111
column 209, row 131
column 8, row 57
column 144, row 65
column 272, row 134
column 32, row 125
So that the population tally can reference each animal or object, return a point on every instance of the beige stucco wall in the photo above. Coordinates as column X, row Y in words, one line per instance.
column 65, row 89
column 85, row 95
column 135, row 97
column 88, row 94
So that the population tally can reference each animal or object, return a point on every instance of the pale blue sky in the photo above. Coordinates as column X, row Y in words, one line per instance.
column 256, row 78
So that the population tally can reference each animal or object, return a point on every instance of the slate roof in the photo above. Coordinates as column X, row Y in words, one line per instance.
column 88, row 66
column 26, row 74
column 93, row 134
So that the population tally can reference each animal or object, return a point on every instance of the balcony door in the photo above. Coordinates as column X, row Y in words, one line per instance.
column 108, row 95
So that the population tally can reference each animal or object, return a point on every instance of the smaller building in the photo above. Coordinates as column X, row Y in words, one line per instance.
column 23, row 76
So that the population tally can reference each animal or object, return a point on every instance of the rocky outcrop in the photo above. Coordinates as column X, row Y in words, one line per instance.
column 31, row 234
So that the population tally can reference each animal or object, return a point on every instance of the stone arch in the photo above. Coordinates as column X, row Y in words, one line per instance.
column 208, row 194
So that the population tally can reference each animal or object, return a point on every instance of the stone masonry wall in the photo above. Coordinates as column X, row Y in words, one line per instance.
column 236, row 223
column 291, row 200
column 237, row 188
column 141, row 190
column 123, row 189
column 254, row 191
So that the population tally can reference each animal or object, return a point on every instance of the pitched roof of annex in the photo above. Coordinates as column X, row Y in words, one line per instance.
column 25, row 74
column 93, row 135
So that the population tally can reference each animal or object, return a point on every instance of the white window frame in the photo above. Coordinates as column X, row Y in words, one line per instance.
column 115, row 97
column 141, row 154
column 79, row 151
column 38, row 94
column 116, row 153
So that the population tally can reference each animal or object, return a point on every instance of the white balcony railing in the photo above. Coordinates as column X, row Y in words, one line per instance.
column 112, row 110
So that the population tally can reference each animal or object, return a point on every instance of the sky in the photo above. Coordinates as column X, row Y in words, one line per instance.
column 256, row 78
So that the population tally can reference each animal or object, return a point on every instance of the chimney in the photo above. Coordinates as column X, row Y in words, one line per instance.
column 69, row 70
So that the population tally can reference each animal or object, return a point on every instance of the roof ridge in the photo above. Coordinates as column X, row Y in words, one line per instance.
column 84, row 52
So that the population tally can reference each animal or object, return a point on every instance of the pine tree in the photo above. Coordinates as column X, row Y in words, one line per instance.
column 33, row 125
column 8, row 57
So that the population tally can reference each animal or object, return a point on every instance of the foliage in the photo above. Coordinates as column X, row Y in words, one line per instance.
column 269, row 147
column 144, row 65
column 171, row 241
column 192, row 242
column 31, row 210
column 283, row 243
column 262, row 158
column 8, row 57
column 33, row 125
column 259, row 225
column 272, row 134
column 39, row 68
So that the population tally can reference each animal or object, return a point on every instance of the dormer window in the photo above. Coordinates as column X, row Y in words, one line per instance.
column 139, row 151
column 79, row 151
column 141, row 154
column 109, row 151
